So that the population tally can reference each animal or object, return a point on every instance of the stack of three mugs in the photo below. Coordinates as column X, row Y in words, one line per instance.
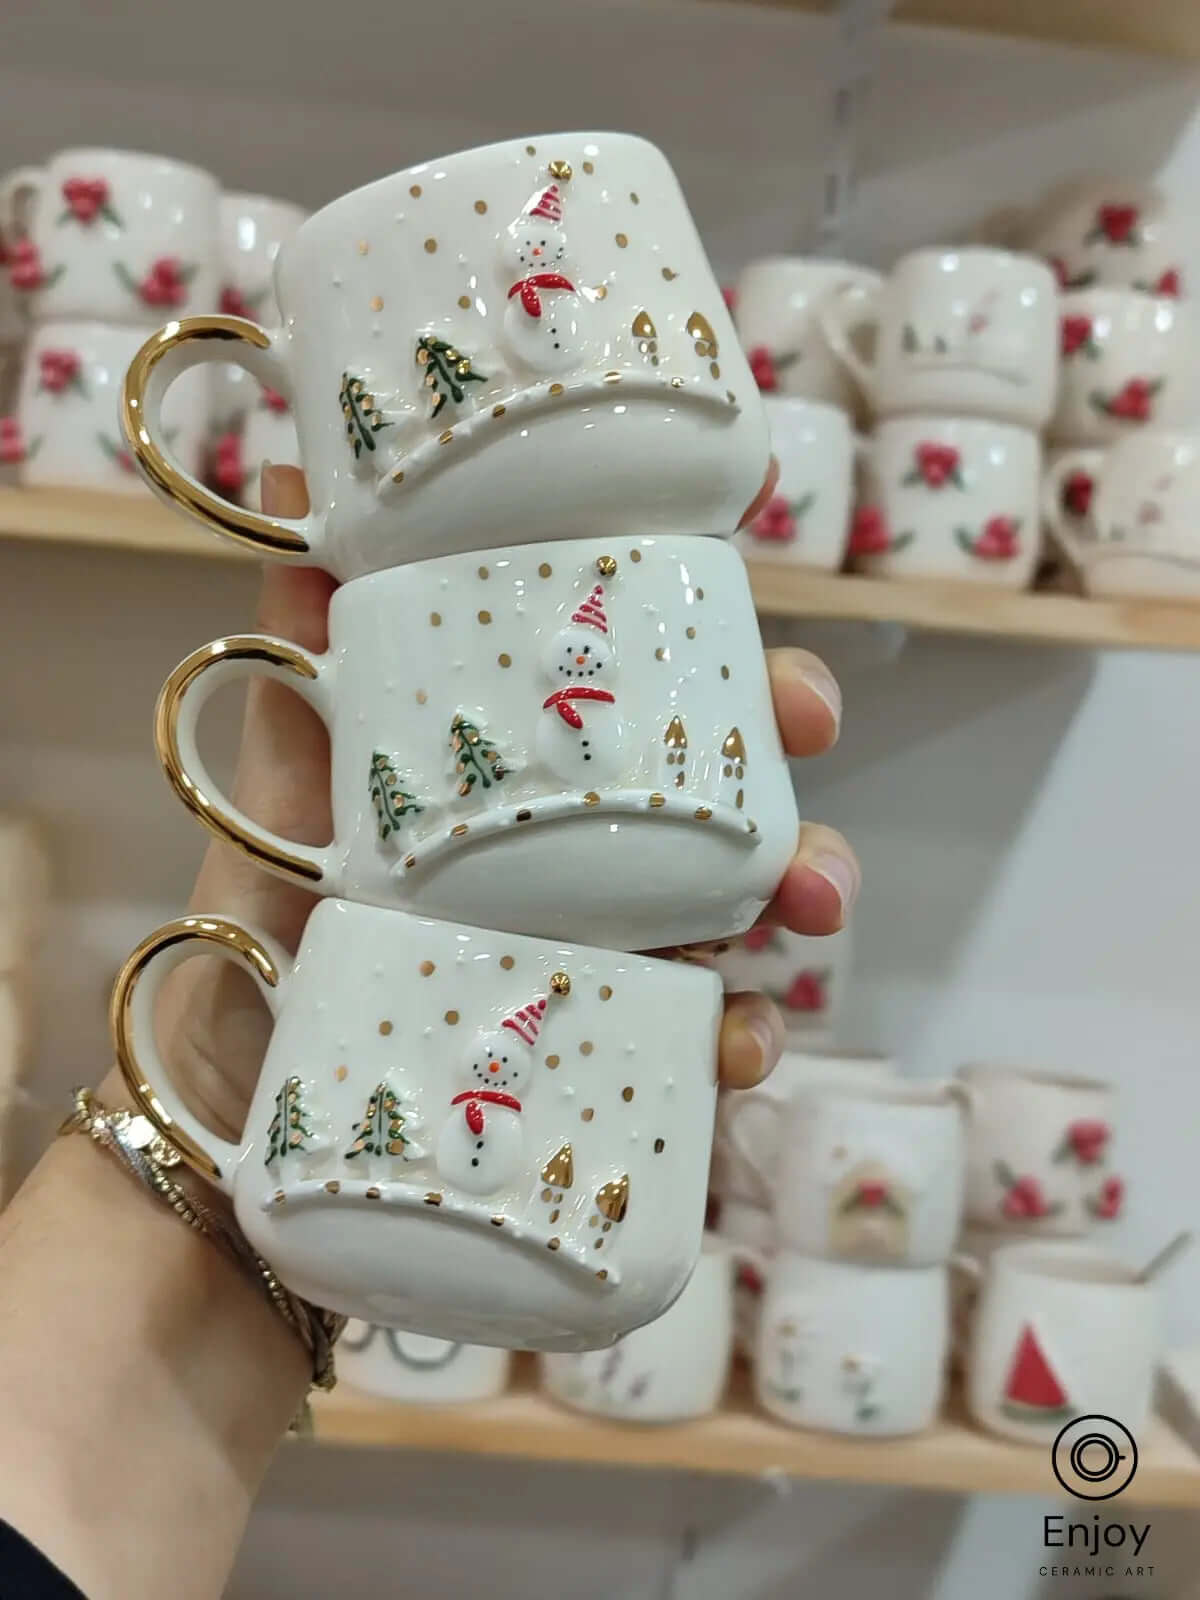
column 483, row 1116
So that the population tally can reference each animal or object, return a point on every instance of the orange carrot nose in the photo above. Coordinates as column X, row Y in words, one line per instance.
column 493, row 1066
column 579, row 660
column 537, row 250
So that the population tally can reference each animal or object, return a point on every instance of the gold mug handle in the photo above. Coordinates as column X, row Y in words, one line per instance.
column 191, row 342
column 177, row 714
column 131, row 1015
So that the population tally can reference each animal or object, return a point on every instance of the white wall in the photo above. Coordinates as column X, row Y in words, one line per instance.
column 1026, row 818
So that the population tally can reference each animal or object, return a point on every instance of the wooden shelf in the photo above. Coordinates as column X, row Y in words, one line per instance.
column 738, row 1442
column 139, row 523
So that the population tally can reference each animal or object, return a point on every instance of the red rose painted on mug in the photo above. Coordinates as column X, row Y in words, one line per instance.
column 228, row 470
column 85, row 199
column 12, row 442
column 1107, row 1204
column 998, row 541
column 26, row 270
column 271, row 400
column 1068, row 279
column 59, row 370
column 1077, row 335
column 807, row 991
column 872, row 1193
column 775, row 522
column 1116, row 224
column 871, row 536
column 935, row 465
column 165, row 284
column 1024, row 1199
column 760, row 937
column 1077, row 493
column 762, row 365
column 1132, row 403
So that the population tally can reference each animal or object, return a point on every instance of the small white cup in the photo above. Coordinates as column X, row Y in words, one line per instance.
column 1135, row 530
column 775, row 308
column 1058, row 1334
column 671, row 1370
column 806, row 978
column 1115, row 232
column 393, row 1365
column 111, row 236
column 806, row 521
column 852, row 1349
column 966, row 331
column 1038, row 1151
column 949, row 498
column 69, row 434
column 1129, row 361
column 872, row 1173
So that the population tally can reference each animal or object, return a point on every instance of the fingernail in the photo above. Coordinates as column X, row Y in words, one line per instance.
column 842, row 873
column 765, row 1036
column 823, row 684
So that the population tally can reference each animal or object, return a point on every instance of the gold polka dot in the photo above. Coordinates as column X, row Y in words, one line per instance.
column 561, row 169
column 691, row 632
column 589, row 167
column 601, row 291
column 591, row 798
column 627, row 1092
column 599, row 1245
column 398, row 477
column 497, row 1222
column 430, row 246
column 524, row 815
column 556, row 388
column 332, row 1186
column 606, row 991
column 669, row 273
column 587, row 1114
column 677, row 383
column 340, row 1074
column 659, row 1146
column 485, row 617
column 451, row 1017
column 507, row 963
column 363, row 247
column 483, row 572
column 552, row 1244
column 555, row 1214
column 545, row 570
column 530, row 150
column 714, row 369
column 377, row 302
column 586, row 1048
column 552, row 1062
column 504, row 659
column 602, row 1274
column 724, row 672
column 385, row 1028
column 464, row 301
column 445, row 438
column 415, row 191
column 459, row 830
column 660, row 654
column 622, row 240
column 426, row 969
column 435, row 619
column 635, row 555
column 421, row 697
column 657, row 800
column 633, row 197
column 481, row 206
column 547, row 1194
column 699, row 593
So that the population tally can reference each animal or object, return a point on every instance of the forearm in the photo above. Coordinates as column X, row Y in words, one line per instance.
column 144, row 1382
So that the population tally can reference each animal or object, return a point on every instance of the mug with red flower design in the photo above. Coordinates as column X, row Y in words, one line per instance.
column 775, row 306
column 1038, row 1151
column 967, row 331
column 1129, row 360
column 806, row 978
column 1114, row 232
column 1137, row 532
column 806, row 521
column 873, row 1172
column 266, row 432
column 111, row 235
column 949, row 497
column 65, row 431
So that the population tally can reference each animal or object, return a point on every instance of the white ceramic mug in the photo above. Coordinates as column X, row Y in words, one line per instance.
column 253, row 230
column 670, row 1370
column 472, row 1135
column 393, row 1365
column 1038, row 1151
column 1060, row 1334
column 775, row 307
column 111, row 236
column 852, row 1349
column 806, row 520
column 570, row 739
column 1129, row 361
column 949, row 497
column 872, row 1173
column 967, row 331
column 1116, row 232
column 68, row 405
column 807, row 978
column 750, row 1232
column 750, row 1141
column 1138, row 531
column 525, row 338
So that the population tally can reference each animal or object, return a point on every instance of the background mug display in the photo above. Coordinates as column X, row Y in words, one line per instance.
column 970, row 331
column 393, row 1365
column 1038, row 1151
column 807, row 978
column 1129, row 360
column 1114, row 232
column 750, row 1230
column 850, row 1348
column 572, row 740
column 775, row 306
column 1139, row 533
column 872, row 1173
column 1057, row 1335
column 471, row 1135
column 949, row 497
column 668, row 1371
column 450, row 329
column 807, row 518
column 111, row 235
column 68, row 404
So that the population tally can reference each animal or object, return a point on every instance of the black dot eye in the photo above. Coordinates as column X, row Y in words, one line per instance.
column 587, row 649
column 504, row 1060
column 543, row 244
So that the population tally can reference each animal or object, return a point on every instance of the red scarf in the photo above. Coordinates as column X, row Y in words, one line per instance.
column 528, row 288
column 492, row 1097
column 560, row 701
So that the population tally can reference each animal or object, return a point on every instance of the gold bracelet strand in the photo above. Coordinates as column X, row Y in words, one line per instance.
column 148, row 1155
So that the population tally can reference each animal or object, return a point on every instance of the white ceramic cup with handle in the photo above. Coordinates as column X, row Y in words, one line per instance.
column 521, row 337
column 1140, row 531
column 1129, row 361
column 806, row 520
column 852, row 1349
column 393, row 1365
column 111, row 236
column 776, row 301
column 966, row 331
column 671, row 1370
column 468, row 1134
column 572, row 739
column 949, row 498
column 1116, row 232
column 1059, row 1334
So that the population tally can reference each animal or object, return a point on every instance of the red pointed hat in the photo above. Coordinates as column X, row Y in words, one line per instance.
column 591, row 612
column 526, row 1023
column 548, row 204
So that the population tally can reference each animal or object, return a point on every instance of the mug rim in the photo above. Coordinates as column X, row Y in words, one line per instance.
column 1090, row 1268
column 979, row 253
column 794, row 263
column 945, row 421
column 792, row 403
column 86, row 152
column 977, row 1071
column 904, row 1092
column 1116, row 294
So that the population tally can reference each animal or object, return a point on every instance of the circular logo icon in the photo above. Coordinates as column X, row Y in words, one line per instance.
column 1094, row 1457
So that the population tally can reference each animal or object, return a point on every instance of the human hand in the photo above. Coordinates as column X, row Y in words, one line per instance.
column 215, row 1024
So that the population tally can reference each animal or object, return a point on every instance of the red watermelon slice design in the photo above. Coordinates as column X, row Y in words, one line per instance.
column 1033, row 1393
